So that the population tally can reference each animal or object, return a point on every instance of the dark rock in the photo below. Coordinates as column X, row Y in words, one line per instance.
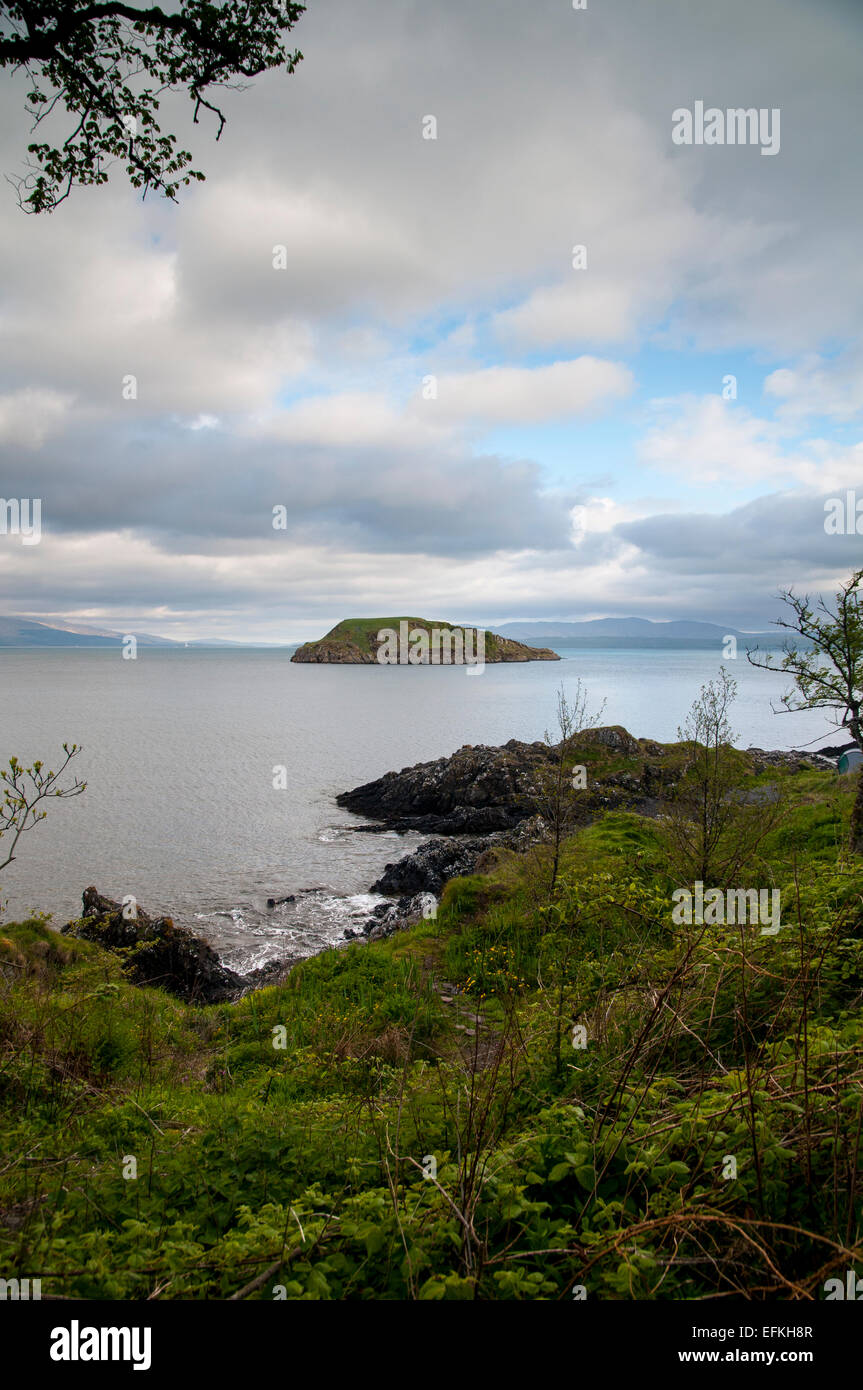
column 392, row 917
column 767, row 795
column 486, row 790
column 622, row 779
column 482, row 798
column 612, row 736
column 476, row 791
column 431, row 865
column 835, row 751
column 156, row 952
column 777, row 757
column 277, row 902
column 652, row 778
column 274, row 972
column 373, row 830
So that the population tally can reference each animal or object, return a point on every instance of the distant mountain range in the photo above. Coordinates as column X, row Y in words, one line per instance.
column 629, row 633
column 637, row 632
column 25, row 632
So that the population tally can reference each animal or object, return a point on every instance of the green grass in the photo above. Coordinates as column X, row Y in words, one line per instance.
column 609, row 1157
column 362, row 632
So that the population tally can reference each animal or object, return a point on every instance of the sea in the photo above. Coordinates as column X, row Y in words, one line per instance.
column 187, row 808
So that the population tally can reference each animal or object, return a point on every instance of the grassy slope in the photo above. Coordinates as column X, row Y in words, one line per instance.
column 360, row 632
column 610, row 1157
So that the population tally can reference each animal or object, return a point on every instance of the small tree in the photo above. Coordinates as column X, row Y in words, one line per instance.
column 24, row 789
column 712, row 828
column 828, row 673
column 556, row 800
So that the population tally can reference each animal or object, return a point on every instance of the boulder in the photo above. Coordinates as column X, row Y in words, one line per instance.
column 477, row 790
column 432, row 865
column 612, row 736
column 156, row 952
column 390, row 918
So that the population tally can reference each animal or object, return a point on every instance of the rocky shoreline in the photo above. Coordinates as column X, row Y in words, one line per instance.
column 155, row 951
column 473, row 803
column 484, row 798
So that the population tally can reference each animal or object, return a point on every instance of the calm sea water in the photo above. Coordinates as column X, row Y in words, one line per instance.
column 180, row 747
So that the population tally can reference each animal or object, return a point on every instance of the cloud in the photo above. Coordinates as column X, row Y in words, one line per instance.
column 714, row 441
column 405, row 258
column 398, row 489
column 817, row 386
column 601, row 516
column 779, row 537
column 445, row 406
column 630, row 263
column 723, row 568
column 30, row 416
column 518, row 395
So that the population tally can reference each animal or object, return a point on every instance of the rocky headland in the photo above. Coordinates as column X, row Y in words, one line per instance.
column 484, row 798
column 475, row 803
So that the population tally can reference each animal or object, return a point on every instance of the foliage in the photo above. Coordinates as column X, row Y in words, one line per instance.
column 303, row 1171
column 828, row 672
column 556, row 797
column 713, row 827
column 24, row 789
column 108, row 66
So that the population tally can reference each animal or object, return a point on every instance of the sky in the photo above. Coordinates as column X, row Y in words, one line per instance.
column 462, row 415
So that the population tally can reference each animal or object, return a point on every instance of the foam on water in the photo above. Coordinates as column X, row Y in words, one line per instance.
column 249, row 936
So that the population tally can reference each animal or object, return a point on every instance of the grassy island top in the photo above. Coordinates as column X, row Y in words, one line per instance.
column 355, row 640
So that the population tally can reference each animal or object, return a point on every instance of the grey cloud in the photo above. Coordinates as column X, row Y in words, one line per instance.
column 216, row 487
column 781, row 534
column 554, row 127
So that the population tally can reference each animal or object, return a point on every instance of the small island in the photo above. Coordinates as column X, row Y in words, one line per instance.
column 415, row 642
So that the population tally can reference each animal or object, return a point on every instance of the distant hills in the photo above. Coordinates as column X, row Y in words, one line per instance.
column 26, row 632
column 599, row 633
column 637, row 633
